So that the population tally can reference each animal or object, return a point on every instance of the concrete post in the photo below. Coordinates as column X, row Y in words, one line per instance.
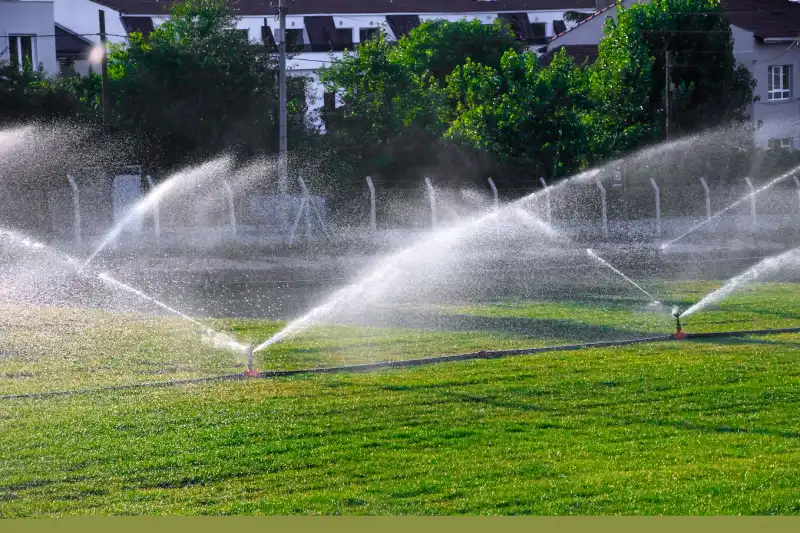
column 495, row 196
column 373, row 221
column 658, row 206
column 604, row 206
column 76, row 211
column 753, row 213
column 156, row 214
column 231, row 206
column 708, row 197
column 432, row 196
column 547, row 200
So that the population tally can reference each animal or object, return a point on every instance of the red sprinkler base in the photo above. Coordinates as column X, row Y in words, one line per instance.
column 679, row 334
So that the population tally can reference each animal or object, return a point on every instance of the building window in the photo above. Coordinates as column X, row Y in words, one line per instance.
column 559, row 27
column 365, row 34
column 780, row 82
column 344, row 38
column 20, row 49
column 539, row 30
column 780, row 143
column 294, row 40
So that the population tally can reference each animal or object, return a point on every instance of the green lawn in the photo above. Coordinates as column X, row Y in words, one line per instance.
column 669, row 428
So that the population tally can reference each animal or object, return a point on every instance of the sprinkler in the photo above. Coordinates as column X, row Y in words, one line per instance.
column 679, row 334
column 250, row 371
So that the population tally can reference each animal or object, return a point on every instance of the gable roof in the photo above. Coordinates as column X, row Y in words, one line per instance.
column 765, row 18
column 334, row 7
column 70, row 44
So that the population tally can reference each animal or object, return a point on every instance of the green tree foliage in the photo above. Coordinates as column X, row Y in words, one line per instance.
column 26, row 93
column 628, row 81
column 522, row 112
column 195, row 86
column 394, row 94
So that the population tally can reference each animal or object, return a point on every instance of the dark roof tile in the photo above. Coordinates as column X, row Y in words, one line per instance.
column 334, row 7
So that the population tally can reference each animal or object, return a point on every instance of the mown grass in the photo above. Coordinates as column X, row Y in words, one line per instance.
column 693, row 427
column 676, row 428
column 60, row 349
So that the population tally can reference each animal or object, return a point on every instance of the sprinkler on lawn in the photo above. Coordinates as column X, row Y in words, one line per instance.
column 679, row 334
column 250, row 371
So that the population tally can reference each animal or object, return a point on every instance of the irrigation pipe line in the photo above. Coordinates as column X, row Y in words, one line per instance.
column 368, row 367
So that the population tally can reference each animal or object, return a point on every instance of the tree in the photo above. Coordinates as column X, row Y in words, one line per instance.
column 629, row 78
column 395, row 102
column 195, row 86
column 522, row 112
column 28, row 94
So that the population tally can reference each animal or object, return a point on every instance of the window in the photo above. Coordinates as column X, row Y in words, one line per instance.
column 365, row 34
column 559, row 27
column 344, row 37
column 20, row 49
column 779, row 82
column 780, row 143
column 294, row 40
column 538, row 30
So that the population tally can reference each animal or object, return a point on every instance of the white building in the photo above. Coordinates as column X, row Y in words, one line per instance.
column 27, row 34
column 766, row 36
column 319, row 30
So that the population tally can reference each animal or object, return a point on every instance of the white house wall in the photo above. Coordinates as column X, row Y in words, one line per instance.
column 30, row 18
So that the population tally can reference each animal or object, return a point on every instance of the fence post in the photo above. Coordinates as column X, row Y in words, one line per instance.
column 231, row 206
column 753, row 213
column 76, row 210
column 373, row 222
column 797, row 183
column 604, row 207
column 547, row 199
column 494, row 194
column 658, row 206
column 708, row 197
column 156, row 214
column 432, row 195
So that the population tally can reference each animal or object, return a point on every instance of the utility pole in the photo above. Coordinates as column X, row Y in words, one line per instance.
column 666, row 94
column 104, row 69
column 283, row 167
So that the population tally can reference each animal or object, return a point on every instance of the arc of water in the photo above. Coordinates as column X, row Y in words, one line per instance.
column 763, row 188
column 432, row 197
column 76, row 210
column 765, row 266
column 752, row 196
column 156, row 214
column 219, row 339
column 658, row 206
column 214, row 167
column 605, row 263
column 373, row 221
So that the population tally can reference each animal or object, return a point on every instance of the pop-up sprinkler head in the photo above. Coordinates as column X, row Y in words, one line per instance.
column 679, row 334
column 250, row 371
